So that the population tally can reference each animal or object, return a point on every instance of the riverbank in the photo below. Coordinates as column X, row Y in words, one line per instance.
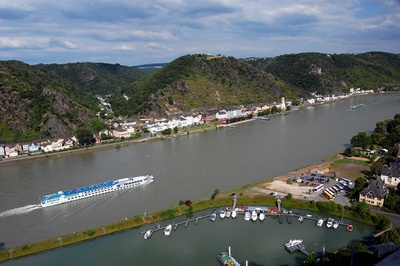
column 256, row 194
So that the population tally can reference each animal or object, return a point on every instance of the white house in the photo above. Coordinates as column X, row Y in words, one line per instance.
column 33, row 147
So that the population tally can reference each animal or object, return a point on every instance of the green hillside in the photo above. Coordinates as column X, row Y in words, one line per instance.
column 200, row 81
column 98, row 78
column 36, row 104
column 334, row 73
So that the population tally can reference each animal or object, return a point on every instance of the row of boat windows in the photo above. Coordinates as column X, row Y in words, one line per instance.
column 95, row 192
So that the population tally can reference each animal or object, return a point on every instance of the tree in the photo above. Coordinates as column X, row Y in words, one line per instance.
column 363, row 209
column 97, row 125
column 361, row 140
column 391, row 236
column 84, row 136
column 376, row 167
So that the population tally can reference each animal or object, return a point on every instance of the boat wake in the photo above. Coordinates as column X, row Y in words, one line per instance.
column 21, row 210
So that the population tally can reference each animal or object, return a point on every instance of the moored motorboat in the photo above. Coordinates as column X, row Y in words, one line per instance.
column 247, row 215
column 148, row 234
column 226, row 259
column 349, row 228
column 335, row 224
column 167, row 230
column 261, row 216
column 213, row 216
column 228, row 214
column 293, row 244
column 301, row 219
column 234, row 214
column 222, row 214
column 254, row 215
column 320, row 222
column 329, row 223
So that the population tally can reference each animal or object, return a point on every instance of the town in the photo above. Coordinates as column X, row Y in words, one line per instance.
column 124, row 129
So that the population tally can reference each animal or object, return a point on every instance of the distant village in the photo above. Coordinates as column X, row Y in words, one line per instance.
column 125, row 129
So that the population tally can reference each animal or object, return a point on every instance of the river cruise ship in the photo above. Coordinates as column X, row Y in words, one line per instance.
column 94, row 190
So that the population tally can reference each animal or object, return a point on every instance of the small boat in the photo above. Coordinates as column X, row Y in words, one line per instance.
column 261, row 216
column 309, row 215
column 213, row 216
column 247, row 215
column 167, row 230
column 350, row 228
column 254, row 215
column 320, row 222
column 329, row 223
column 226, row 259
column 293, row 244
column 356, row 106
column 222, row 214
column 148, row 234
column 335, row 224
column 301, row 219
column 234, row 214
column 228, row 214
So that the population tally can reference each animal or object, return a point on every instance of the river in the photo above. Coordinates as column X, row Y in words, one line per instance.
column 186, row 167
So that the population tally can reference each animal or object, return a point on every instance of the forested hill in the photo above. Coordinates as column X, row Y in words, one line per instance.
column 193, row 82
column 35, row 104
column 333, row 73
column 98, row 78
column 53, row 100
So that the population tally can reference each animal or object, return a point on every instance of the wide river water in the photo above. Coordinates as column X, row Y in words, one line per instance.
column 186, row 167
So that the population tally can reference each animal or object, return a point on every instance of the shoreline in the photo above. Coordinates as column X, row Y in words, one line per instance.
column 115, row 145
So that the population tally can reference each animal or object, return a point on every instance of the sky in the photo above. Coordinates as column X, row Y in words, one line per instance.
column 131, row 32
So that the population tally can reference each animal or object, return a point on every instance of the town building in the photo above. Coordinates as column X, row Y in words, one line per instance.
column 375, row 193
column 390, row 174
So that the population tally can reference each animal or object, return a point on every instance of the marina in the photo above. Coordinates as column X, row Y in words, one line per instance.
column 248, row 212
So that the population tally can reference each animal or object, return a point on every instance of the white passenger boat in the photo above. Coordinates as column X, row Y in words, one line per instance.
column 148, row 234
column 228, row 214
column 234, row 214
column 94, row 190
column 222, row 214
column 320, row 222
column 167, row 230
column 247, row 215
column 254, row 216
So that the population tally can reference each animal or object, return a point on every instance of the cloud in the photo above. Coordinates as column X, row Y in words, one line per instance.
column 124, row 47
column 157, row 46
column 161, row 30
